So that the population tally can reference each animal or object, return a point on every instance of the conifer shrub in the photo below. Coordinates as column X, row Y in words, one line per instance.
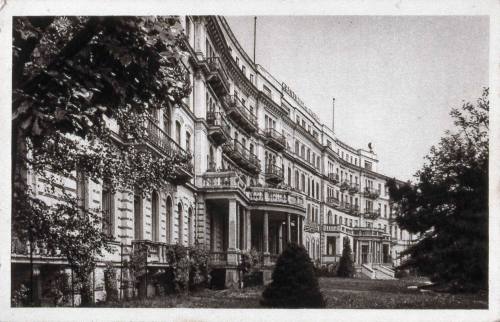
column 294, row 283
column 346, row 264
column 110, row 283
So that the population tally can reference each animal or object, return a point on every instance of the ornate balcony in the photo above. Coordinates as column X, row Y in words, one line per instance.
column 242, row 156
column 336, row 228
column 354, row 210
column 218, row 128
column 345, row 185
column 240, row 114
column 274, row 174
column 225, row 180
column 333, row 201
column 333, row 177
column 152, row 254
column 274, row 196
column 164, row 145
column 371, row 193
column 275, row 139
column 218, row 259
column 353, row 188
column 22, row 250
column 217, row 76
column 372, row 214
column 371, row 232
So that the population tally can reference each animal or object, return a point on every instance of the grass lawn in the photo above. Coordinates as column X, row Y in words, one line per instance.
column 340, row 294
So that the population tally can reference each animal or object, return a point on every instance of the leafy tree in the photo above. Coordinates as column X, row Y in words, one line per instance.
column 346, row 265
column 448, row 205
column 73, row 78
column 294, row 284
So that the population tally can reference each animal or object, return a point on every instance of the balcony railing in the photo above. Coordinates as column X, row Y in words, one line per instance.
column 218, row 258
column 372, row 214
column 274, row 174
column 219, row 128
column 166, row 146
column 275, row 139
column 371, row 193
column 344, row 185
column 371, row 232
column 275, row 196
column 333, row 177
column 333, row 201
column 222, row 180
column 242, row 156
column 353, row 188
column 238, row 112
column 152, row 253
column 39, row 250
column 217, row 76
column 334, row 228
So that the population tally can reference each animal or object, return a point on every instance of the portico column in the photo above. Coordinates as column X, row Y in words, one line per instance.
column 266, row 238
column 280, row 238
column 297, row 224
column 288, row 230
column 232, row 233
column 249, row 230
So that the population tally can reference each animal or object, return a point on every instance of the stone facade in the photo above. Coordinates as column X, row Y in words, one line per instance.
column 265, row 171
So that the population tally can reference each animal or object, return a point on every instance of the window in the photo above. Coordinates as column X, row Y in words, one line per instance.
column 251, row 78
column 289, row 177
column 238, row 61
column 244, row 70
column 107, row 210
column 297, row 147
column 188, row 141
column 166, row 121
column 328, row 143
column 190, row 227
column 137, row 215
column 168, row 223
column 179, row 224
column 303, row 179
column 155, row 214
column 331, row 245
column 178, row 132
column 267, row 91
column 297, row 180
column 368, row 165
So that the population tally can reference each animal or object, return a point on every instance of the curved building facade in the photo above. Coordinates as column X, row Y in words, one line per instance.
column 265, row 171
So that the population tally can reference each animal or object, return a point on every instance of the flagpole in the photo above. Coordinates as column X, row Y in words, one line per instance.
column 254, row 36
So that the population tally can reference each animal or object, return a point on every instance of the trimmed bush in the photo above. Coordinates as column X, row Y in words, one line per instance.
column 346, row 265
column 110, row 283
column 294, row 284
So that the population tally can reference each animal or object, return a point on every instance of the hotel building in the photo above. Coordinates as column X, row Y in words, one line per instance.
column 265, row 171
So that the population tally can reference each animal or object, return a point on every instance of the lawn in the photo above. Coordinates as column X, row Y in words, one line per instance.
column 339, row 293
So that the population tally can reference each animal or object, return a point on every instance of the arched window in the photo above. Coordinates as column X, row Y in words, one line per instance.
column 251, row 148
column 167, row 119
column 179, row 223
column 137, row 215
column 155, row 216
column 188, row 141
column 178, row 132
column 190, row 227
column 303, row 179
column 168, row 224
column 297, row 184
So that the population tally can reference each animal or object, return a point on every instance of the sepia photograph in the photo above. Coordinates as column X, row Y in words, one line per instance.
column 247, row 161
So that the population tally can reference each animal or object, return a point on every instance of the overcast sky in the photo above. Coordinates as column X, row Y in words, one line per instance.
column 395, row 79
